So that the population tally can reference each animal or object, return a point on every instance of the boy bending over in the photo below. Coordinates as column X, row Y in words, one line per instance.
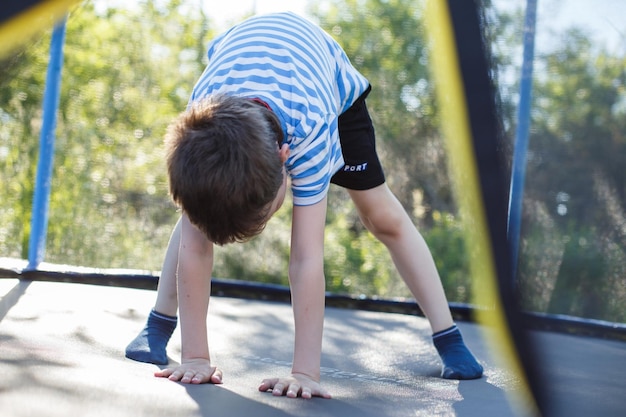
column 279, row 100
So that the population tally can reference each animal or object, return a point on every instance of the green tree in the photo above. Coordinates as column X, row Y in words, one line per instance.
column 576, row 165
column 386, row 42
column 127, row 73
column 23, row 75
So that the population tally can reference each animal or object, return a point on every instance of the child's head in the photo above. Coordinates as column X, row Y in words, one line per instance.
column 224, row 166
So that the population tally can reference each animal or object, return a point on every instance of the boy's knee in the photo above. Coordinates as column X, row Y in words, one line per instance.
column 384, row 223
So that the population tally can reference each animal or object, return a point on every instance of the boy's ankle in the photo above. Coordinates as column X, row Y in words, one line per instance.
column 458, row 361
column 164, row 316
column 151, row 343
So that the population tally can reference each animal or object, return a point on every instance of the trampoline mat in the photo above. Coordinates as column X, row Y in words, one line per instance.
column 61, row 350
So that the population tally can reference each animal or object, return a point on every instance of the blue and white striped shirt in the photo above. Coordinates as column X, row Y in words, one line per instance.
column 303, row 75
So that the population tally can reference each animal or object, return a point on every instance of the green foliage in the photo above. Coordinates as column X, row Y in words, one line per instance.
column 119, row 92
column 385, row 40
column 447, row 242
column 20, row 94
column 573, row 254
column 128, row 72
column 357, row 263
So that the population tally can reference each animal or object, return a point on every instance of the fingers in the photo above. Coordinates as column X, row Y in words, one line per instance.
column 267, row 384
column 216, row 378
column 278, row 387
column 324, row 394
column 274, row 384
column 191, row 376
column 164, row 373
column 293, row 388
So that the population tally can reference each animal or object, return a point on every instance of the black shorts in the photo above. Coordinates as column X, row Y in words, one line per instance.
column 362, row 169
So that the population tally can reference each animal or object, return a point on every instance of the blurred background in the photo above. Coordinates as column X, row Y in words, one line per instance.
column 129, row 68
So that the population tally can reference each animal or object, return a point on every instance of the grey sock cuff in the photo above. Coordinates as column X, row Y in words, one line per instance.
column 172, row 319
column 445, row 332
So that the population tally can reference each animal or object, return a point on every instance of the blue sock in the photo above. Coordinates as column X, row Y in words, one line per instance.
column 458, row 361
column 150, row 345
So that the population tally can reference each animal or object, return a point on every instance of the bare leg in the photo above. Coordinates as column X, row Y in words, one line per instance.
column 384, row 216
column 151, row 343
column 167, row 299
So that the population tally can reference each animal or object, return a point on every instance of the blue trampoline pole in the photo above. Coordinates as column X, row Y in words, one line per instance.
column 518, row 174
column 41, row 199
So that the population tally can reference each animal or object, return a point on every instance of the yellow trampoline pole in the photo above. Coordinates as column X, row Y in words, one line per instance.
column 463, row 170
column 24, row 25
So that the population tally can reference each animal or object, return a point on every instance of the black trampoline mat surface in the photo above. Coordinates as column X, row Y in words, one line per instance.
column 62, row 354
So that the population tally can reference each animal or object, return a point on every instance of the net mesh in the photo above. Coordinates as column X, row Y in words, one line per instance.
column 129, row 70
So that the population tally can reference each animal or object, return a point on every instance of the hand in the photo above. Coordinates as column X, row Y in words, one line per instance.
column 294, row 386
column 193, row 371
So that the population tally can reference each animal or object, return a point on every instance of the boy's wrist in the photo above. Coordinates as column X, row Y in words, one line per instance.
column 195, row 358
column 315, row 375
column 195, row 354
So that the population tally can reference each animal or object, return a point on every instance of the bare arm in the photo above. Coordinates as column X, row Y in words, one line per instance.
column 306, row 277
column 195, row 265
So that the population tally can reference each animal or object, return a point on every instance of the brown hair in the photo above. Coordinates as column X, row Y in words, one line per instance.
column 223, row 165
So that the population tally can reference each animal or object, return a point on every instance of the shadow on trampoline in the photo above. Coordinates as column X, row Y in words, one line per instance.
column 482, row 397
column 216, row 400
column 62, row 349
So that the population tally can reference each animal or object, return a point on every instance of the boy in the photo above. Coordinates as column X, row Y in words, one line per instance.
column 279, row 98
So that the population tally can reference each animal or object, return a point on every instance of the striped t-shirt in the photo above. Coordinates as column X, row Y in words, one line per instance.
column 303, row 75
